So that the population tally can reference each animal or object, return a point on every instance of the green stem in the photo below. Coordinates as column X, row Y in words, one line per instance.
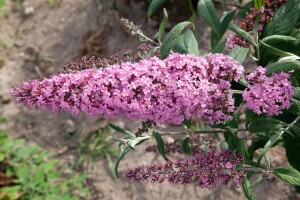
column 201, row 132
column 146, row 38
column 290, row 125
column 237, row 91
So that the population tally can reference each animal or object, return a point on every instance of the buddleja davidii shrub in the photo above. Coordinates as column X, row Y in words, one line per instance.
column 179, row 87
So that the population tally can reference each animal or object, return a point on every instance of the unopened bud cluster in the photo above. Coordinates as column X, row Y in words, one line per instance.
column 247, row 24
column 205, row 170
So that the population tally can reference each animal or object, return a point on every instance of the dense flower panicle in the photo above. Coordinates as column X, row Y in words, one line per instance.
column 247, row 24
column 223, row 67
column 162, row 91
column 269, row 95
column 205, row 170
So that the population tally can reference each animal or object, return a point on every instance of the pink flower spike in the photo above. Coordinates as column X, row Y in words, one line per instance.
column 161, row 91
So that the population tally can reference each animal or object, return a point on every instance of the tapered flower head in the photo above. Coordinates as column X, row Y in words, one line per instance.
column 162, row 91
column 204, row 169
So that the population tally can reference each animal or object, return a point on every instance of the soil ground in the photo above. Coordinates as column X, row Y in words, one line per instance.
column 38, row 37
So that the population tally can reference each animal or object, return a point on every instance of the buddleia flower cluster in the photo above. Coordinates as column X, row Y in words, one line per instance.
column 269, row 95
column 162, row 91
column 204, row 169
column 247, row 24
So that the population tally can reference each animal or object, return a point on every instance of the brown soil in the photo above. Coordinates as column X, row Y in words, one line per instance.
column 37, row 43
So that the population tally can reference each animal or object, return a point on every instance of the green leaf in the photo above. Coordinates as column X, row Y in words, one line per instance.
column 265, row 125
column 239, row 53
column 297, row 93
column 160, row 144
column 121, row 130
column 283, row 66
column 256, row 23
column 257, row 181
column 187, row 123
column 258, row 3
column 123, row 152
column 284, row 20
column 245, row 35
column 187, row 43
column 225, row 19
column 214, row 39
column 172, row 36
column 247, row 189
column 267, row 146
column 275, row 39
column 288, row 175
column 295, row 108
column 208, row 12
column 274, row 51
column 236, row 144
column 162, row 26
column 219, row 47
column 185, row 146
column 155, row 4
column 257, row 144
column 292, row 146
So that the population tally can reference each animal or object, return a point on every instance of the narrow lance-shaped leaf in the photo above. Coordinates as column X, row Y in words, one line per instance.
column 239, row 53
column 295, row 108
column 172, row 36
column 155, row 4
column 268, row 145
column 219, row 47
column 292, row 145
column 162, row 26
column 265, row 125
column 225, row 19
column 274, row 50
column 160, row 144
column 297, row 93
column 187, row 123
column 121, row 130
column 257, row 181
column 186, row 43
column 208, row 12
column 236, row 144
column 185, row 146
column 247, row 189
column 274, row 39
column 123, row 152
column 288, row 175
column 245, row 35
column 283, row 66
column 256, row 24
